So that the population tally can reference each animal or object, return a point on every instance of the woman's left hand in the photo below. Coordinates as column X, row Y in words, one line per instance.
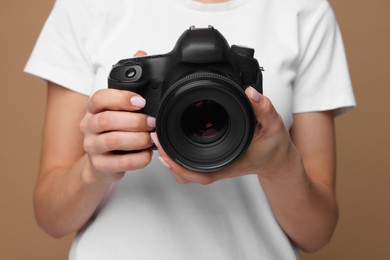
column 270, row 148
column 292, row 175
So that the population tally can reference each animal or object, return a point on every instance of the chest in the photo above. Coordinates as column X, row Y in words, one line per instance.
column 156, row 29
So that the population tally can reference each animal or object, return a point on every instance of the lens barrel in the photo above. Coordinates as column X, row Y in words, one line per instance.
column 205, row 121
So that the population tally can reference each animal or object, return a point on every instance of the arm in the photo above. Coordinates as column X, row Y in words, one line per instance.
column 301, row 192
column 77, row 168
column 296, row 171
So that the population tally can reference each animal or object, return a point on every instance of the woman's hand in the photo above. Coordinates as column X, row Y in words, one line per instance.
column 78, row 167
column 269, row 149
column 297, row 175
column 112, row 124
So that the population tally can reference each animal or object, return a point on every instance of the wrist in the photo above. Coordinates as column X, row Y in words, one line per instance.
column 91, row 177
column 287, row 164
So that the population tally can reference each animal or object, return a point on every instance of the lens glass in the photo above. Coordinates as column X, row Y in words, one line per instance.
column 204, row 122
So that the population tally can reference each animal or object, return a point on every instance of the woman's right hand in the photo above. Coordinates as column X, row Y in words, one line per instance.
column 111, row 123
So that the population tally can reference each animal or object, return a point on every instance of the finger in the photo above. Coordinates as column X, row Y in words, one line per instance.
column 113, row 99
column 184, row 175
column 117, row 141
column 140, row 53
column 110, row 163
column 180, row 179
column 121, row 121
column 181, row 173
column 262, row 106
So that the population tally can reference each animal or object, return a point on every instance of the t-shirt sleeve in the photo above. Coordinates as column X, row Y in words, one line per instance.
column 322, row 81
column 60, row 54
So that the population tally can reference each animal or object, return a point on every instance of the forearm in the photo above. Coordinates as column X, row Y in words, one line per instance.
column 65, row 199
column 77, row 166
column 306, row 210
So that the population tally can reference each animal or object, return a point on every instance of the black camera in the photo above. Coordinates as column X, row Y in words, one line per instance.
column 204, row 120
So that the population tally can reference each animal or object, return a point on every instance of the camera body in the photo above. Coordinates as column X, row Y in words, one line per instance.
column 196, row 93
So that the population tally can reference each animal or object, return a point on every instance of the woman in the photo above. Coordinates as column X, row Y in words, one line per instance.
column 275, row 199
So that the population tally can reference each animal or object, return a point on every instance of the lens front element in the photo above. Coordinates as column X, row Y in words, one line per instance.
column 204, row 122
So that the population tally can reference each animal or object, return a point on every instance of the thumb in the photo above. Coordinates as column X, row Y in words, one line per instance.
column 264, row 110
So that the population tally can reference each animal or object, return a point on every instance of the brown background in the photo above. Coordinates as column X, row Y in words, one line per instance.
column 363, row 135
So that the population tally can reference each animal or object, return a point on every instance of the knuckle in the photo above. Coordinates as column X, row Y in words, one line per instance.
column 206, row 181
column 127, row 163
column 146, row 157
column 83, row 125
column 145, row 140
column 89, row 144
column 135, row 161
column 278, row 125
column 139, row 140
column 96, row 98
column 124, row 163
column 97, row 163
column 179, row 180
column 267, row 105
column 103, row 120
column 112, row 141
column 139, row 121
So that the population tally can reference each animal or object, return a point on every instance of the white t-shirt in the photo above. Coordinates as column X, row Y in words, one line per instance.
column 147, row 215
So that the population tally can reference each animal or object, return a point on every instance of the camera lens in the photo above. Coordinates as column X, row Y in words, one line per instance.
column 204, row 122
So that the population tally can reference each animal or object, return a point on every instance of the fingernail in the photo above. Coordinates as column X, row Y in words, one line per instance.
column 151, row 121
column 163, row 162
column 137, row 101
column 255, row 95
column 153, row 136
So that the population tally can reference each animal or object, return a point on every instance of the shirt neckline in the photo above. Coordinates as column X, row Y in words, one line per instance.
column 207, row 7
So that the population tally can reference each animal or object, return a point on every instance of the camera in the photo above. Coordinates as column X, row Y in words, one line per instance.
column 204, row 120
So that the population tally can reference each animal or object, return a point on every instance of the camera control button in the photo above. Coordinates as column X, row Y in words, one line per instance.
column 133, row 73
column 249, row 77
column 130, row 73
column 243, row 51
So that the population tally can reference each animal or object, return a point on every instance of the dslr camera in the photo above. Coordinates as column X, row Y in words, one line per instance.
column 204, row 120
